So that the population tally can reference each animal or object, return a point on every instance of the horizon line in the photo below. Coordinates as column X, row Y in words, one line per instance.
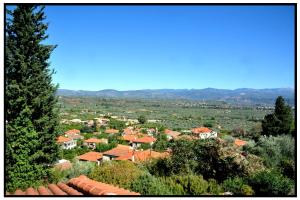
column 176, row 89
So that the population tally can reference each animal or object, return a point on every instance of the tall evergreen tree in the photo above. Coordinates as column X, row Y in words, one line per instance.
column 31, row 113
column 279, row 122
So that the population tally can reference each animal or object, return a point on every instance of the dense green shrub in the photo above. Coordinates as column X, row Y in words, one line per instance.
column 270, row 183
column 150, row 185
column 116, row 124
column 101, row 147
column 274, row 149
column 121, row 173
column 237, row 186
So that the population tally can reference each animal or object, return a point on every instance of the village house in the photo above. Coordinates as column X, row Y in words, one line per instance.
column 74, row 134
column 120, row 150
column 172, row 134
column 137, row 140
column 111, row 131
column 151, row 131
column 239, row 143
column 144, row 140
column 66, row 143
column 91, row 157
column 92, row 142
column 123, row 152
column 140, row 156
column 128, row 131
column 204, row 133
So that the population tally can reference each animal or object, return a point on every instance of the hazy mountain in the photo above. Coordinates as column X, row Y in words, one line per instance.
column 245, row 96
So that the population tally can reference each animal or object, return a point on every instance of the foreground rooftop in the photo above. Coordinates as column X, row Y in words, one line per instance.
column 79, row 186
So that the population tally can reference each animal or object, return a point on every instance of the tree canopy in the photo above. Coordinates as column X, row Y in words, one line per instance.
column 30, row 101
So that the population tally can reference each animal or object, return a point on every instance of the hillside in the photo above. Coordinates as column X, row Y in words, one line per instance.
column 242, row 96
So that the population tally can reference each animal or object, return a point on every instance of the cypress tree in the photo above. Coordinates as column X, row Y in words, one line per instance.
column 31, row 113
column 279, row 122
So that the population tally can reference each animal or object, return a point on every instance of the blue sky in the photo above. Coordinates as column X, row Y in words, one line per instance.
column 176, row 47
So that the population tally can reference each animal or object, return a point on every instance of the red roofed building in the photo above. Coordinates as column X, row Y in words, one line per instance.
column 204, row 133
column 91, row 157
column 239, row 142
column 128, row 131
column 120, row 150
column 111, row 131
column 140, row 156
column 80, row 186
column 171, row 134
column 66, row 143
column 74, row 134
column 92, row 142
column 136, row 141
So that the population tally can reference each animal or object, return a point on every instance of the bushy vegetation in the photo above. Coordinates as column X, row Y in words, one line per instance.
column 121, row 173
column 101, row 147
column 270, row 183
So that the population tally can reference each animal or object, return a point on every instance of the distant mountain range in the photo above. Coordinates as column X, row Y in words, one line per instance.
column 243, row 96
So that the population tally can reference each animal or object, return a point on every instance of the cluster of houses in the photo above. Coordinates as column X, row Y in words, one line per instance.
column 135, row 138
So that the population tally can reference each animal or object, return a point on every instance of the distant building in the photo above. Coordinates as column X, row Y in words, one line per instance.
column 92, row 142
column 204, row 133
column 111, row 131
column 239, row 142
column 172, row 134
column 137, row 140
column 123, row 152
column 91, row 157
column 120, row 150
column 73, row 134
column 66, row 143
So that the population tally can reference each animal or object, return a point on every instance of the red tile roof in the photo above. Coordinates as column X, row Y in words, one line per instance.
column 140, row 156
column 81, row 185
column 174, row 134
column 201, row 130
column 239, row 142
column 73, row 131
column 62, row 139
column 128, row 131
column 93, row 140
column 111, row 131
column 146, row 139
column 90, row 156
column 120, row 150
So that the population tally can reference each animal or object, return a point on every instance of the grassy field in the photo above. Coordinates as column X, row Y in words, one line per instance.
column 176, row 114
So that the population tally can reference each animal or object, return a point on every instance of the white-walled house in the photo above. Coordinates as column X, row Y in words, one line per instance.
column 66, row 143
column 204, row 133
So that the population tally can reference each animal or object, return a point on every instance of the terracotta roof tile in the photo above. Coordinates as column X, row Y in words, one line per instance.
column 43, row 191
column 239, row 142
column 120, row 150
column 111, row 131
column 90, row 156
column 174, row 134
column 81, row 185
column 31, row 191
column 19, row 192
column 146, row 139
column 62, row 139
column 68, row 190
column 93, row 140
column 201, row 130
column 56, row 190
column 73, row 131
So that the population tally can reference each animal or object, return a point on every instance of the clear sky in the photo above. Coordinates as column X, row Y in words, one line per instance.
column 175, row 47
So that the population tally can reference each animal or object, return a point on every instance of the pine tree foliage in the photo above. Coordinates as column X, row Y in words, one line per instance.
column 279, row 122
column 30, row 102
